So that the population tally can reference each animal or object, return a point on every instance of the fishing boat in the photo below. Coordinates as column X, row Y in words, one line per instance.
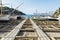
column 3, row 17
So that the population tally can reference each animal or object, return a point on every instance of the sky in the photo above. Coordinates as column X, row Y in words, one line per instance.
column 30, row 6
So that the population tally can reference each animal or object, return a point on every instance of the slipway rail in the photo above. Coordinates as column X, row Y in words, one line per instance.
column 41, row 34
column 14, row 32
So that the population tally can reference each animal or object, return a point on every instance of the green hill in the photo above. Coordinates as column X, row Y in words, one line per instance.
column 7, row 10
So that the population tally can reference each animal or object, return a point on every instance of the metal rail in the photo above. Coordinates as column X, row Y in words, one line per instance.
column 14, row 32
column 41, row 34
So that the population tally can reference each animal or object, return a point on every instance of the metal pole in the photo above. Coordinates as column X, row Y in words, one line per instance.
column 17, row 7
column 1, row 6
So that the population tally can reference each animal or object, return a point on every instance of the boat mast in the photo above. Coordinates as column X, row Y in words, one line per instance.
column 36, row 10
column 1, row 6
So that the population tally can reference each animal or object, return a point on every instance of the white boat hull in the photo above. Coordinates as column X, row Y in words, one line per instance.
column 13, row 17
column 5, row 17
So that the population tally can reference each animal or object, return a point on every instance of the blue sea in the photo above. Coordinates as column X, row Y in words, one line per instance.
column 42, row 14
